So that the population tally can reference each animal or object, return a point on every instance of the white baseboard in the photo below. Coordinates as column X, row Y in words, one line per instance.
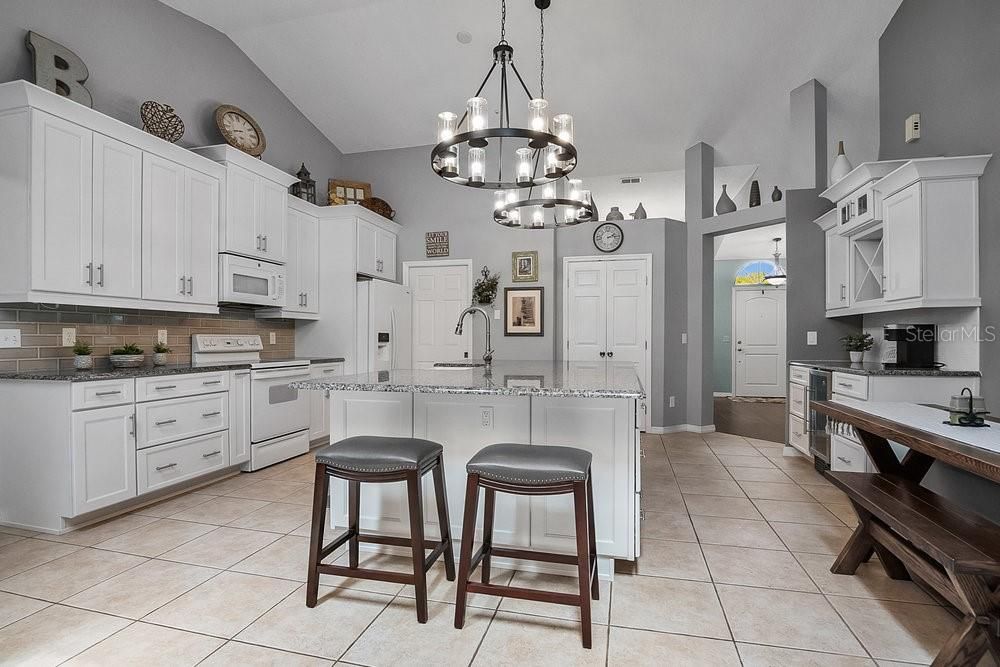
column 722, row 394
column 681, row 428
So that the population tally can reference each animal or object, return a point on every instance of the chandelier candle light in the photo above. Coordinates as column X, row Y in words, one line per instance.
column 543, row 155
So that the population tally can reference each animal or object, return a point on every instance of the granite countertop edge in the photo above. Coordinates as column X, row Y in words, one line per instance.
column 879, row 370
column 69, row 375
column 333, row 385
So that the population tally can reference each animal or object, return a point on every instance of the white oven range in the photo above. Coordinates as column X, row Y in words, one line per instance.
column 279, row 415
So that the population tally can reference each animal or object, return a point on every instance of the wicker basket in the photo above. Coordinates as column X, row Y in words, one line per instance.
column 128, row 360
column 379, row 206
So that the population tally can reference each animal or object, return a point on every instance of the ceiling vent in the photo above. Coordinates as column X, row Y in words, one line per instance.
column 628, row 180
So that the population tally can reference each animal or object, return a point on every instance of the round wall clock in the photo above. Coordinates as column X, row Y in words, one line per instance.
column 608, row 237
column 240, row 130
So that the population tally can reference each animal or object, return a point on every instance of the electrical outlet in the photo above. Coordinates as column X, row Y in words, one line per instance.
column 912, row 128
column 684, row 339
column 811, row 338
column 673, row 401
column 10, row 338
column 486, row 417
column 68, row 337
column 272, row 338
column 161, row 336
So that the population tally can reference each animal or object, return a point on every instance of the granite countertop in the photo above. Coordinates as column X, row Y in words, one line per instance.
column 875, row 368
column 322, row 360
column 70, row 375
column 603, row 379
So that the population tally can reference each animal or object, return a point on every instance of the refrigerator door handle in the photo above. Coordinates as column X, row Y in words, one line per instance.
column 392, row 339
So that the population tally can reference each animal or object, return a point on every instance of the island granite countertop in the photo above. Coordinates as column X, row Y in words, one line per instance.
column 875, row 368
column 507, row 378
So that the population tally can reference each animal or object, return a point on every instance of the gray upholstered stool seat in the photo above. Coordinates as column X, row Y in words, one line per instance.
column 370, row 453
column 530, row 464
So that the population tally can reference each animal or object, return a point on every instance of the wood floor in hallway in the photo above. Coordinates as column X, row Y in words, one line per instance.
column 764, row 421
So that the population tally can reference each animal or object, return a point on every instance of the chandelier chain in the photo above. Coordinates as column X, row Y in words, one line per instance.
column 503, row 21
column 541, row 51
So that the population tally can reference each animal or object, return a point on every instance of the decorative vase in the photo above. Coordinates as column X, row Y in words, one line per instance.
column 615, row 214
column 725, row 204
column 127, row 360
column 83, row 362
column 857, row 356
column 754, row 194
column 841, row 165
column 640, row 213
column 776, row 194
column 159, row 358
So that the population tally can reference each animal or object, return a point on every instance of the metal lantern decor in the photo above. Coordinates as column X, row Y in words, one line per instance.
column 306, row 187
column 778, row 276
column 531, row 188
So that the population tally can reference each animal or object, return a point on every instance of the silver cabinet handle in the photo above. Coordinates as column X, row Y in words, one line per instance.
column 264, row 238
column 100, row 269
column 108, row 393
column 843, row 292
column 211, row 454
column 306, row 296
column 843, row 460
column 211, row 382
column 166, row 467
column 190, row 286
column 90, row 274
column 258, row 242
column 166, row 421
column 845, row 385
column 240, row 374
column 329, row 370
column 183, row 282
column 165, row 386
column 131, row 424
column 211, row 414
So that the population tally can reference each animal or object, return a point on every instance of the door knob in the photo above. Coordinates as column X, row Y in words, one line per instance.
column 603, row 354
column 611, row 354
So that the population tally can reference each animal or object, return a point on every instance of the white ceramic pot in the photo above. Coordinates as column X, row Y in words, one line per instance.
column 159, row 358
column 83, row 362
column 857, row 357
column 127, row 360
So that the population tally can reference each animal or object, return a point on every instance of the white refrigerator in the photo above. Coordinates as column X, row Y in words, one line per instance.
column 383, row 326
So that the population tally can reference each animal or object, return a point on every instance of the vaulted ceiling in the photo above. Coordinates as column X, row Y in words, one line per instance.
column 644, row 78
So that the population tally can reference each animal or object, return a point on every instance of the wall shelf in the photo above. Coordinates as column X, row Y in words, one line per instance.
column 745, row 218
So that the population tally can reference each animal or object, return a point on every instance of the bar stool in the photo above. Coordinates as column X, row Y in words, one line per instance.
column 532, row 470
column 376, row 459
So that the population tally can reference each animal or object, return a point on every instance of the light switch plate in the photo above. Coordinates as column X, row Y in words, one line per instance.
column 68, row 336
column 673, row 402
column 272, row 338
column 10, row 338
column 497, row 314
column 486, row 417
column 161, row 336
column 811, row 338
column 684, row 339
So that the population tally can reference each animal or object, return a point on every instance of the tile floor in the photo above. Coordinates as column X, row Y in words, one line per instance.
column 737, row 545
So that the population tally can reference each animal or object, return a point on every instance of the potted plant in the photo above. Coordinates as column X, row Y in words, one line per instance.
column 857, row 345
column 129, row 355
column 82, row 356
column 485, row 290
column 160, row 352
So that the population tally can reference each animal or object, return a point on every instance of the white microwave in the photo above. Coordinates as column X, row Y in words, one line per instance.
column 251, row 281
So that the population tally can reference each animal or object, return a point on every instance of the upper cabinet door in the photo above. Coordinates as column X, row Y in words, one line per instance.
column 201, row 205
column 272, row 219
column 241, row 232
column 294, row 300
column 307, row 258
column 164, row 236
column 586, row 310
column 61, row 205
column 367, row 249
column 117, row 218
column 386, row 254
column 903, row 233
column 837, row 292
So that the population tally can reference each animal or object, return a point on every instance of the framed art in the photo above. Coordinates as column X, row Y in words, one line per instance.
column 524, row 266
column 524, row 311
column 347, row 192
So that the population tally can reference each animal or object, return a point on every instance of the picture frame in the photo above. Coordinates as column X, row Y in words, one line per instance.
column 524, row 266
column 340, row 191
column 524, row 311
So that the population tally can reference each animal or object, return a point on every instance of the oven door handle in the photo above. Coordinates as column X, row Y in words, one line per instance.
column 279, row 373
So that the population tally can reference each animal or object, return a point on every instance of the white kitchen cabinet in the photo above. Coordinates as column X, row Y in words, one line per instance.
column 904, row 262
column 176, row 462
column 376, row 248
column 117, row 218
column 239, row 417
column 103, row 463
column 302, row 269
column 255, row 214
column 386, row 251
column 836, row 270
column 319, row 401
column 367, row 248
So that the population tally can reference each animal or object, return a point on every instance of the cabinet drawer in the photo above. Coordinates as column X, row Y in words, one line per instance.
column 163, row 466
column 847, row 456
column 326, row 370
column 797, row 436
column 178, row 418
column 797, row 400
column 855, row 386
column 173, row 386
column 798, row 375
column 102, row 393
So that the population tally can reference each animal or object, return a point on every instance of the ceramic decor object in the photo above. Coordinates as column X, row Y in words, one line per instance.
column 725, row 204
column 640, row 213
column 754, row 194
column 776, row 194
column 615, row 214
column 841, row 165
column 159, row 358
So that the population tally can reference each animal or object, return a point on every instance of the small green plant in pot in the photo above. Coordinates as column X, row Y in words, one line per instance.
column 129, row 355
column 160, row 352
column 857, row 345
column 83, row 359
column 485, row 290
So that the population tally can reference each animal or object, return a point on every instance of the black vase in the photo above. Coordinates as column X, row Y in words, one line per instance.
column 776, row 195
column 754, row 194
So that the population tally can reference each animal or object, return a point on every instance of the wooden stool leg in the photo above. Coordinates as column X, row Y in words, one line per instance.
column 489, row 507
column 964, row 647
column 468, row 539
column 416, row 507
column 595, row 586
column 443, row 519
column 859, row 548
column 583, row 558
column 353, row 520
column 321, row 495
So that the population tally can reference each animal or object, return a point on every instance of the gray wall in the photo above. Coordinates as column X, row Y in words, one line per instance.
column 138, row 50
column 940, row 59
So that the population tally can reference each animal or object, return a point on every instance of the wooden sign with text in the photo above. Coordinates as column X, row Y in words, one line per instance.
column 437, row 244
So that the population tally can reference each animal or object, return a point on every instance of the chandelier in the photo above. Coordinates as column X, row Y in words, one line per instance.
column 532, row 188
column 777, row 277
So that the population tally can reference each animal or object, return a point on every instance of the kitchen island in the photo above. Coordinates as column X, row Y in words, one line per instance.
column 593, row 406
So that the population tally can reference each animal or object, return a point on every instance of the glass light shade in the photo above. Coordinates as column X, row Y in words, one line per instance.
column 477, row 165
column 549, row 191
column 447, row 123
column 499, row 199
column 515, row 217
column 478, row 108
column 511, row 196
column 537, row 216
column 553, row 166
column 585, row 198
column 523, row 165
column 538, row 113
column 575, row 189
column 449, row 162
column 562, row 126
column 570, row 215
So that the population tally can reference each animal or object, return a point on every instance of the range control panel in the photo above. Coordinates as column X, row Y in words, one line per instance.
column 217, row 343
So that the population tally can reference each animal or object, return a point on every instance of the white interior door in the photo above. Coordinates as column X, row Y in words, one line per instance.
column 440, row 292
column 626, row 313
column 586, row 324
column 759, row 339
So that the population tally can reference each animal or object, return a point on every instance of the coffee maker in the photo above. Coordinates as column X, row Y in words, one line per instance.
column 909, row 345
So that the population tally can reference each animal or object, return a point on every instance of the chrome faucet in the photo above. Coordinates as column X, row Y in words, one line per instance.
column 488, row 354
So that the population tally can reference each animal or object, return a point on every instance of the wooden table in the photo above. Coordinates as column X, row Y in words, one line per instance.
column 916, row 532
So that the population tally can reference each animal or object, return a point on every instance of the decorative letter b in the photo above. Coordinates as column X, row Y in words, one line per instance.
column 58, row 69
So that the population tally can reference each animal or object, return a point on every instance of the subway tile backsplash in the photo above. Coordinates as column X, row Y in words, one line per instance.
column 106, row 328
